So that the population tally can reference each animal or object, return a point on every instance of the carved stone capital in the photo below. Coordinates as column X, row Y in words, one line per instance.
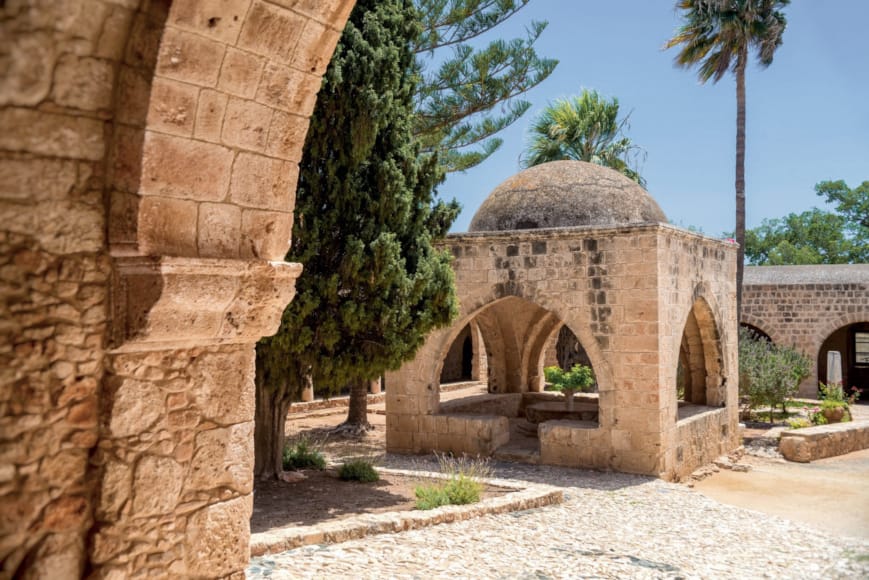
column 170, row 302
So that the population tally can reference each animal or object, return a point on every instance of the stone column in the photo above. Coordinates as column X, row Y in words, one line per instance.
column 308, row 391
column 176, row 447
column 374, row 387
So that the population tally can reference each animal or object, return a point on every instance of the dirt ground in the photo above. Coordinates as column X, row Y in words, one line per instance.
column 322, row 496
column 831, row 494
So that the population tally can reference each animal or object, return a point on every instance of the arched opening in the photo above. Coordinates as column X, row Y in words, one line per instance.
column 699, row 381
column 564, row 349
column 757, row 332
column 852, row 342
column 513, row 341
column 458, row 364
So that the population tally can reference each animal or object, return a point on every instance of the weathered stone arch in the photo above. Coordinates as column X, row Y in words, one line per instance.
column 149, row 151
column 764, row 326
column 832, row 324
column 825, row 333
column 700, row 350
column 551, row 319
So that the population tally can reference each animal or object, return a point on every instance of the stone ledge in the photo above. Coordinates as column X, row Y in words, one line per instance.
column 805, row 445
column 526, row 496
column 171, row 302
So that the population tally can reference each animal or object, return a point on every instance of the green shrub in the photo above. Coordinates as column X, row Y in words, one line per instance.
column 430, row 496
column 769, row 374
column 302, row 455
column 463, row 490
column 464, row 485
column 358, row 470
column 799, row 423
column 579, row 378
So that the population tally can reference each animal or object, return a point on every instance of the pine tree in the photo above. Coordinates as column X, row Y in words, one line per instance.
column 366, row 216
column 456, row 100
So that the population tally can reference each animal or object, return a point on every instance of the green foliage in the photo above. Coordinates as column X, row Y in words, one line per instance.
column 816, row 236
column 583, row 128
column 460, row 490
column 769, row 374
column 832, row 393
column 716, row 36
column 358, row 470
column 431, row 496
column 811, row 237
column 366, row 216
column 799, row 423
column 464, row 485
column 853, row 206
column 461, row 83
column 817, row 417
column 578, row 378
column 303, row 455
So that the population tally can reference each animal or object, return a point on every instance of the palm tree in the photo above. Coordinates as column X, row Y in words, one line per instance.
column 716, row 36
column 583, row 128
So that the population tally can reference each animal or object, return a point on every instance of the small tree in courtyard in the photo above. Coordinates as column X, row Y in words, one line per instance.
column 373, row 284
column 579, row 378
column 769, row 374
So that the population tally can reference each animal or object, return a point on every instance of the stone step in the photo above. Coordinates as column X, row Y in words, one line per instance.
column 517, row 454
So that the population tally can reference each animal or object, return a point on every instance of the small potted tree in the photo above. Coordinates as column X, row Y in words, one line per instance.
column 579, row 378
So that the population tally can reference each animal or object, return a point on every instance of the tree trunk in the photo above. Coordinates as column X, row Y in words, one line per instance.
column 357, row 412
column 740, row 176
column 270, row 418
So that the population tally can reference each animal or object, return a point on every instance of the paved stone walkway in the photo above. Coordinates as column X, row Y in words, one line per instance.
column 610, row 526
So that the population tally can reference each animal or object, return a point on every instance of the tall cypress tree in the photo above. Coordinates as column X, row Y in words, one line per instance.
column 366, row 216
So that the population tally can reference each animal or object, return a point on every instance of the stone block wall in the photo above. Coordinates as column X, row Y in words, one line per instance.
column 802, row 306
column 698, row 275
column 147, row 169
column 813, row 443
column 614, row 289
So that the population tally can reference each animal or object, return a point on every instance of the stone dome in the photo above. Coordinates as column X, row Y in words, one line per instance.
column 565, row 194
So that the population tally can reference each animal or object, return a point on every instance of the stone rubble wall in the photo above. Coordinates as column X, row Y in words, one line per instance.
column 55, row 100
column 804, row 316
column 813, row 443
column 147, row 171
column 701, row 439
column 177, row 463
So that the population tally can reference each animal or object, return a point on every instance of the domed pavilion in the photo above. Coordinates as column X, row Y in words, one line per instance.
column 573, row 249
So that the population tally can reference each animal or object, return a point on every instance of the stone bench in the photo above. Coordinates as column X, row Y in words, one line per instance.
column 805, row 445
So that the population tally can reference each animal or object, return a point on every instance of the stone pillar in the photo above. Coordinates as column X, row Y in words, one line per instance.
column 308, row 391
column 374, row 386
column 176, row 447
column 479, row 364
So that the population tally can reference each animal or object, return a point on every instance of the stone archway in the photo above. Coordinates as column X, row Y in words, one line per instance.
column 852, row 342
column 700, row 357
column 700, row 360
column 148, row 153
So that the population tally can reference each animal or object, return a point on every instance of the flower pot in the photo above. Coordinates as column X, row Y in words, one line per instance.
column 833, row 414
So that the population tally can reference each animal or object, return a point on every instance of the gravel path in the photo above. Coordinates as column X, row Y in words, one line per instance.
column 610, row 526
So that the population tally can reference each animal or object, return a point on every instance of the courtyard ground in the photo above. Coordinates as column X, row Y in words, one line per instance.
column 778, row 520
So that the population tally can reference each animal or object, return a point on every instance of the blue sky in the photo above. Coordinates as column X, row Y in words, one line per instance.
column 808, row 113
